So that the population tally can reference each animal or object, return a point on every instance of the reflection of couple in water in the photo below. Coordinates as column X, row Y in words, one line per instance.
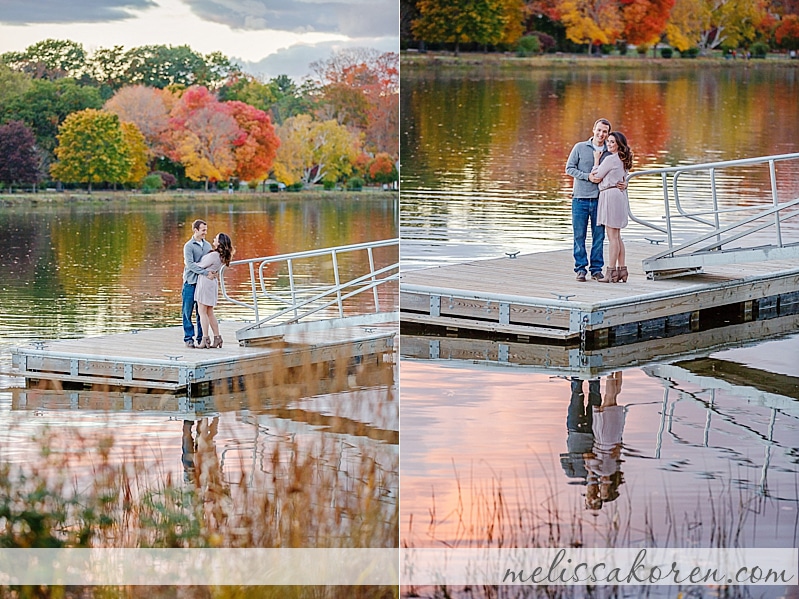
column 199, row 451
column 594, row 440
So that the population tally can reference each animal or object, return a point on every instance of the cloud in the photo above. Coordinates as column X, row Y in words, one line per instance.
column 295, row 61
column 23, row 12
column 356, row 18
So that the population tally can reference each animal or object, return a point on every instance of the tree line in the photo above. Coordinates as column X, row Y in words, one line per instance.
column 693, row 26
column 157, row 115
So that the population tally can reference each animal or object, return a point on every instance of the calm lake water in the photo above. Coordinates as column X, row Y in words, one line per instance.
column 75, row 269
column 502, row 455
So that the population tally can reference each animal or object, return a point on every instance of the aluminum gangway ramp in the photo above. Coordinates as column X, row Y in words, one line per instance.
column 353, row 285
column 707, row 222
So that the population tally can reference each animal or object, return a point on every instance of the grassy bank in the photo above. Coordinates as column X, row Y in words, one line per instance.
column 494, row 60
column 81, row 196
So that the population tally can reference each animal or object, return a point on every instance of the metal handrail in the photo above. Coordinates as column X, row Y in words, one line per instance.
column 259, row 284
column 711, row 168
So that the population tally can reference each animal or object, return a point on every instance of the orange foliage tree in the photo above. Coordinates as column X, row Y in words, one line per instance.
column 360, row 89
column 645, row 20
column 255, row 155
column 787, row 33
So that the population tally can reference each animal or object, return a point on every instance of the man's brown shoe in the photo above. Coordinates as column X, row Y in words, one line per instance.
column 598, row 276
column 581, row 276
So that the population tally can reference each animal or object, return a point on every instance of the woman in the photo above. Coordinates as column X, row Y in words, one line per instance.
column 613, row 203
column 208, row 289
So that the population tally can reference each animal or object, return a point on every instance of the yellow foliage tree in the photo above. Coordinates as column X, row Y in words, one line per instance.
column 591, row 21
column 311, row 151
column 91, row 149
column 686, row 22
column 137, row 151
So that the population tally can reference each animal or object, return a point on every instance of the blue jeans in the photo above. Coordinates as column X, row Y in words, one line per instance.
column 583, row 210
column 189, row 311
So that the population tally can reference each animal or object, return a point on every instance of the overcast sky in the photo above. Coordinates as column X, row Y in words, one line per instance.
column 267, row 37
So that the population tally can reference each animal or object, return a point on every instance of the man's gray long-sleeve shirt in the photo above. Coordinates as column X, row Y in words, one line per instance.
column 579, row 165
column 193, row 251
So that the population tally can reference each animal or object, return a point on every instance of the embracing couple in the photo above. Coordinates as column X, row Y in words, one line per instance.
column 202, row 262
column 599, row 167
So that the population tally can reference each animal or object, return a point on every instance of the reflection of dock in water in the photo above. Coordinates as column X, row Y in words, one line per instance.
column 580, row 361
column 366, row 412
column 717, row 387
column 157, row 359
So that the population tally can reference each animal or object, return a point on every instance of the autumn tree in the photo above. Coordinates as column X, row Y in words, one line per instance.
column 787, row 32
column 204, row 136
column 138, row 153
column 144, row 107
column 687, row 21
column 312, row 151
column 460, row 21
column 360, row 89
column 731, row 22
column 514, row 13
column 91, row 149
column 256, row 154
column 591, row 21
column 645, row 20
column 383, row 169
column 19, row 162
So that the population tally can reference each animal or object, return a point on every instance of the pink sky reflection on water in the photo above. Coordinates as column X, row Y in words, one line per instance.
column 485, row 427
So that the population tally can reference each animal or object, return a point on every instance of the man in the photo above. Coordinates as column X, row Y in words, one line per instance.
column 585, row 197
column 193, row 251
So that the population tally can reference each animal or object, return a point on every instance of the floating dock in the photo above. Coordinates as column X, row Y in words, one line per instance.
column 536, row 296
column 157, row 359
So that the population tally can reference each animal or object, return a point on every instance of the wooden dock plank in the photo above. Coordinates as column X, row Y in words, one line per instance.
column 158, row 359
column 542, row 291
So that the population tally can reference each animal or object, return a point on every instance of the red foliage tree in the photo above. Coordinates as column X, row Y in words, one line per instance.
column 19, row 162
column 787, row 33
column 645, row 20
column 256, row 153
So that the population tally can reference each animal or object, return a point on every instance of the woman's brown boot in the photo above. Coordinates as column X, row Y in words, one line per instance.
column 622, row 271
column 217, row 341
column 205, row 343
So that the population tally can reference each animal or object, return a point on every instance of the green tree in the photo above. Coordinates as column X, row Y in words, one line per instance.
column 460, row 21
column 12, row 84
column 161, row 66
column 92, row 149
column 45, row 105
column 49, row 59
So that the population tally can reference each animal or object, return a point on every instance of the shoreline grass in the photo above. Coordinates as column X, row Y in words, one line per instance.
column 507, row 61
column 22, row 198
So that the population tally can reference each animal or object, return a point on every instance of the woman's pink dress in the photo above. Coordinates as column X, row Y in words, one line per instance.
column 207, row 290
column 613, row 203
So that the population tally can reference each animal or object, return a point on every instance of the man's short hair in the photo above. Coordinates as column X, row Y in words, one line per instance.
column 197, row 223
column 604, row 122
